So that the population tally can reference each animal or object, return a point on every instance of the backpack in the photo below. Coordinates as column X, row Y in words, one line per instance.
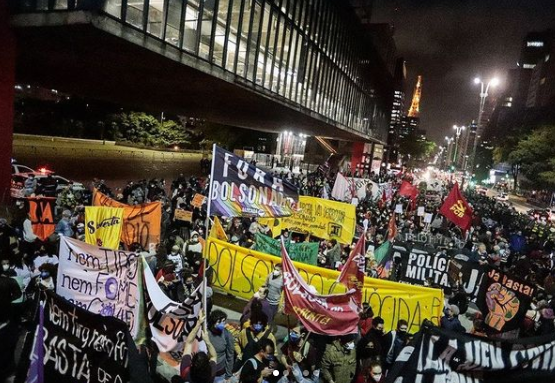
column 248, row 351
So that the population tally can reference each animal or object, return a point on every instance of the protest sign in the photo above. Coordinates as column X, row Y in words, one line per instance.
column 321, row 218
column 422, row 265
column 239, row 189
column 347, row 188
column 420, row 211
column 102, row 281
column 80, row 346
column 399, row 208
column 320, row 314
column 183, row 215
column 198, row 200
column 305, row 252
column 169, row 320
column 240, row 272
column 103, row 226
column 41, row 211
column 141, row 223
column 428, row 218
column 439, row 355
column 504, row 300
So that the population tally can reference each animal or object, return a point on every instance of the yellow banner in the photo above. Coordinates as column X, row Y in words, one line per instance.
column 142, row 223
column 103, row 226
column 240, row 272
column 319, row 217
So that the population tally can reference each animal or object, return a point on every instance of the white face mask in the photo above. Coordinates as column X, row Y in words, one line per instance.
column 276, row 273
column 5, row 267
column 376, row 377
column 349, row 346
column 257, row 295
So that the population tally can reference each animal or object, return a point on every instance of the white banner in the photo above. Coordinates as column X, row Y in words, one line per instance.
column 102, row 281
column 345, row 189
column 170, row 321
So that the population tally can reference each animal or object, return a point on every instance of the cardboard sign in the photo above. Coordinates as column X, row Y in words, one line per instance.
column 183, row 215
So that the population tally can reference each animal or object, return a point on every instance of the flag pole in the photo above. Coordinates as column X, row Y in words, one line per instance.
column 207, row 224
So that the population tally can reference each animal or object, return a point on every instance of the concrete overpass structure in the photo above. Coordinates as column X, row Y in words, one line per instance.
column 270, row 65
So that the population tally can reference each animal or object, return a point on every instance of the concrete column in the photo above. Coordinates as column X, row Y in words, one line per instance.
column 7, row 83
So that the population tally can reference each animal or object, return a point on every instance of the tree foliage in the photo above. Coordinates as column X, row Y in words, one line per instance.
column 535, row 153
column 416, row 147
column 145, row 129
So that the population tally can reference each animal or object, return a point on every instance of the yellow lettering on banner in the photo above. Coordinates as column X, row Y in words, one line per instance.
column 240, row 272
column 320, row 217
column 458, row 209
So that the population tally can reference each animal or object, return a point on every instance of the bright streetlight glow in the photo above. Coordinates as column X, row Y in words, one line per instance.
column 494, row 81
column 477, row 80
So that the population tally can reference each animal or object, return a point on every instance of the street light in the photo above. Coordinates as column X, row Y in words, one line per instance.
column 484, row 88
column 458, row 130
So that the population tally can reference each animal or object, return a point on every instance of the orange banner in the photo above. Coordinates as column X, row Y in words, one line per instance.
column 141, row 223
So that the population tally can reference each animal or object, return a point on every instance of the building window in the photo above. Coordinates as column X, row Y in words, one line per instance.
column 536, row 44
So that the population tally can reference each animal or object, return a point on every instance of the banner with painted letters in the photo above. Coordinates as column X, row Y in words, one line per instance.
column 41, row 211
column 102, row 281
column 170, row 322
column 81, row 347
column 438, row 355
column 321, row 218
column 305, row 252
column 504, row 300
column 240, row 189
column 141, row 223
column 241, row 272
column 345, row 188
column 103, row 226
column 422, row 265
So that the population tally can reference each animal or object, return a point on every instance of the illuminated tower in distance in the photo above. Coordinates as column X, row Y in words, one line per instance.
column 411, row 122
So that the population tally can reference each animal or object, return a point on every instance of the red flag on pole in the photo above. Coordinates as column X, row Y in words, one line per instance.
column 408, row 190
column 330, row 315
column 391, row 228
column 352, row 274
column 456, row 209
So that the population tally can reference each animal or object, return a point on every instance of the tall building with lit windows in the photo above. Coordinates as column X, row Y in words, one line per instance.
column 396, row 110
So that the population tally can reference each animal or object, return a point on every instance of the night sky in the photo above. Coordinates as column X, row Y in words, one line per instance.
column 450, row 42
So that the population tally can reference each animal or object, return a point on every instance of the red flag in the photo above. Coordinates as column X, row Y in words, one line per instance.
column 408, row 190
column 331, row 315
column 456, row 209
column 391, row 228
column 352, row 274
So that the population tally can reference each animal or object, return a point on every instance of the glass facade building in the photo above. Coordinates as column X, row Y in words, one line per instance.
column 307, row 53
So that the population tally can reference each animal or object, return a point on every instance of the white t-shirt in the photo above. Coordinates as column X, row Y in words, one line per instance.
column 42, row 259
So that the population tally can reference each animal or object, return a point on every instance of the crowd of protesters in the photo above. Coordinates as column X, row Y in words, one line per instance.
column 250, row 351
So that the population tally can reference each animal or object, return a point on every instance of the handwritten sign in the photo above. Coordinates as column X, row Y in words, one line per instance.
column 102, row 281
column 198, row 201
column 183, row 215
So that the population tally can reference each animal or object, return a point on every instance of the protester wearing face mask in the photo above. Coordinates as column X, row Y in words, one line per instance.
column 46, row 281
column 375, row 336
column 176, row 258
column 339, row 360
column 261, row 366
column 274, row 284
column 395, row 340
column 371, row 374
column 257, row 302
column 223, row 343
column 247, row 339
column 187, row 286
column 7, row 270
column 192, row 251
column 298, row 348
column 44, row 257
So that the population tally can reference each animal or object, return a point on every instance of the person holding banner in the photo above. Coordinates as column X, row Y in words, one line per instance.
column 200, row 367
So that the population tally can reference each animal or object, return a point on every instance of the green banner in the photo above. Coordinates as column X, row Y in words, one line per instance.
column 305, row 252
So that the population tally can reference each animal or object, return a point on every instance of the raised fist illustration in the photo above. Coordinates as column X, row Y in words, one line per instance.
column 503, row 305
